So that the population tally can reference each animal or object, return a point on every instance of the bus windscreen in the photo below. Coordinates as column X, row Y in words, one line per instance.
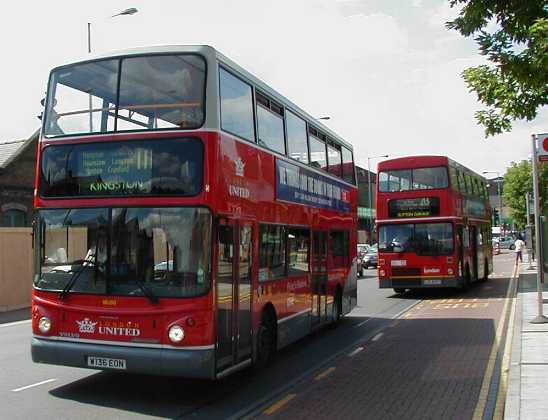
column 137, row 168
column 131, row 93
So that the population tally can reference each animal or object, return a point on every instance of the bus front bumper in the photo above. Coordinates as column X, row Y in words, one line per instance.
column 186, row 363
column 419, row 283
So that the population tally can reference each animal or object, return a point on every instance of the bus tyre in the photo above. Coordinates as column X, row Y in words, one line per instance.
column 466, row 282
column 266, row 342
column 485, row 272
column 337, row 309
column 399, row 290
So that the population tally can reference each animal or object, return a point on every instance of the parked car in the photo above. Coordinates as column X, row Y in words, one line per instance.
column 370, row 258
column 507, row 243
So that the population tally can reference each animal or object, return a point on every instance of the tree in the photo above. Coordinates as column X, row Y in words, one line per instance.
column 518, row 181
column 514, row 85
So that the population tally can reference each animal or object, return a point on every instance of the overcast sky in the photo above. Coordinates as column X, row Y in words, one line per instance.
column 387, row 72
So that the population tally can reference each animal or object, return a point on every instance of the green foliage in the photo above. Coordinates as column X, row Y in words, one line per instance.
column 518, row 181
column 514, row 86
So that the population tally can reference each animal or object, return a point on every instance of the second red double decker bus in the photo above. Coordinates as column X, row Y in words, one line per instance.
column 434, row 224
column 191, row 220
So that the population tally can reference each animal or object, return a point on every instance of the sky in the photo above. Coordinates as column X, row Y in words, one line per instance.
column 387, row 72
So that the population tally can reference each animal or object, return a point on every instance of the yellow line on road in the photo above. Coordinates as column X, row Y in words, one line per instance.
column 326, row 372
column 277, row 405
column 484, row 391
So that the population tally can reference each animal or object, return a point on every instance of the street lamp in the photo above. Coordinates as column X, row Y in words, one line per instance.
column 498, row 180
column 370, row 201
column 130, row 11
column 324, row 118
column 126, row 12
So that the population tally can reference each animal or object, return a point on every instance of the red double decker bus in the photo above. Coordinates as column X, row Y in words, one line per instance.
column 190, row 220
column 434, row 224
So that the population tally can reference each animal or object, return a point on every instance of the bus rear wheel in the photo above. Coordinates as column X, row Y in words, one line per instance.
column 266, row 342
column 485, row 272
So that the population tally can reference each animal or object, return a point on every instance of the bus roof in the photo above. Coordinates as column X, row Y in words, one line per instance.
column 422, row 161
column 212, row 53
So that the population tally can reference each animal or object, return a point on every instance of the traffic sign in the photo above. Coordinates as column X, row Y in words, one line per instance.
column 542, row 147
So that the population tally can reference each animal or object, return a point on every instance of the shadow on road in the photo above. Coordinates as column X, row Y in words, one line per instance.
column 175, row 397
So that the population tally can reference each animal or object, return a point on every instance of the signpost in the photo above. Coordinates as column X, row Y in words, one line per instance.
column 540, row 154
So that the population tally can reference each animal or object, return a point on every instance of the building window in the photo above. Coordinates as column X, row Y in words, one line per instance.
column 14, row 218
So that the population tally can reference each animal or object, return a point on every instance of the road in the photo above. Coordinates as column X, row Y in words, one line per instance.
column 28, row 390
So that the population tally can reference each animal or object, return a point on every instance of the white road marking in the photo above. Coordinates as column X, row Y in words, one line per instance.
column 47, row 381
column 12, row 324
column 356, row 351
column 362, row 323
column 377, row 337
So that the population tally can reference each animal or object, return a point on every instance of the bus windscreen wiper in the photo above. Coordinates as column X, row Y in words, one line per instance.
column 147, row 292
column 64, row 293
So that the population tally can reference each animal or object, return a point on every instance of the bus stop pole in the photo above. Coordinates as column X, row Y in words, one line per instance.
column 540, row 318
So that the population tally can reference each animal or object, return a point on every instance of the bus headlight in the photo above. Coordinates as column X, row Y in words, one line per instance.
column 44, row 324
column 176, row 334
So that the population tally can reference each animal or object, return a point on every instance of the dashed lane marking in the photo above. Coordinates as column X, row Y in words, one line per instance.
column 354, row 352
column 47, row 381
column 325, row 373
column 12, row 324
column 277, row 405
column 377, row 337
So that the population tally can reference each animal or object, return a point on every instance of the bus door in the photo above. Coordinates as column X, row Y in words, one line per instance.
column 319, row 277
column 234, row 268
column 474, row 251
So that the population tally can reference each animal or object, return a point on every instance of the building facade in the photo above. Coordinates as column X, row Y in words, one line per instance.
column 366, row 210
column 17, row 170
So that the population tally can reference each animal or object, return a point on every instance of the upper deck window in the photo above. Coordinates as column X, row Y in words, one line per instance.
column 348, row 166
column 318, row 155
column 270, row 122
column 296, row 137
column 134, row 93
column 236, row 106
column 413, row 179
column 334, row 159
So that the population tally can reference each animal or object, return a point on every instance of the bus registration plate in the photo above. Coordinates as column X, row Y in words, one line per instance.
column 106, row 363
column 431, row 282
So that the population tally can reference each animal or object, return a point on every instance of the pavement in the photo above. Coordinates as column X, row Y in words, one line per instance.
column 528, row 374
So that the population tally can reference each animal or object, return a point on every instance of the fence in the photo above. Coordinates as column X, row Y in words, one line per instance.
column 16, row 268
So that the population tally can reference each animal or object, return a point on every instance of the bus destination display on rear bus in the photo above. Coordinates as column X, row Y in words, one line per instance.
column 159, row 167
column 414, row 207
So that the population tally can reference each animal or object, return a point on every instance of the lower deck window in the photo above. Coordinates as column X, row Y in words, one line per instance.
column 420, row 238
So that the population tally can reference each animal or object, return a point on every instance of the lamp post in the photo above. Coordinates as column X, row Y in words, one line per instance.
column 370, row 201
column 326, row 118
column 498, row 192
column 126, row 12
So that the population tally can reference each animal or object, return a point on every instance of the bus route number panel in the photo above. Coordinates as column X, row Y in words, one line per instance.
column 414, row 207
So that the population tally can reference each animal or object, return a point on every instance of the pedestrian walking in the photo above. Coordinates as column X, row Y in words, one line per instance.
column 518, row 247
